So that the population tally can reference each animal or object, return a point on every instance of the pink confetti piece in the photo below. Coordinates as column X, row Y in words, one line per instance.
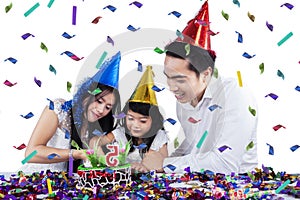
column 277, row 127
column 270, row 26
column 96, row 20
column 137, row 4
column 223, row 148
column 26, row 35
column 74, row 13
column 9, row 84
column 194, row 121
column 109, row 40
column 22, row 146
column 38, row 82
column 71, row 55
column 272, row 95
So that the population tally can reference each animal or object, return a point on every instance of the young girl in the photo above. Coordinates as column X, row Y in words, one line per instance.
column 74, row 119
column 143, row 125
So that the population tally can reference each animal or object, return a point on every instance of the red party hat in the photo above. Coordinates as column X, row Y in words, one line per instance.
column 197, row 29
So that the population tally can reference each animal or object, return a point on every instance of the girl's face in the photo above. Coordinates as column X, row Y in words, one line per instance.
column 100, row 107
column 138, row 124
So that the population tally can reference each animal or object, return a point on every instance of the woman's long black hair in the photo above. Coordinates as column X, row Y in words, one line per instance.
column 105, row 124
column 146, row 110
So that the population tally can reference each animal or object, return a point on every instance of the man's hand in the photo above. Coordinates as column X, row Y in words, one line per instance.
column 153, row 161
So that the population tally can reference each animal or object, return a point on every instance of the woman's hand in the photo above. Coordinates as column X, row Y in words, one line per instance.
column 139, row 167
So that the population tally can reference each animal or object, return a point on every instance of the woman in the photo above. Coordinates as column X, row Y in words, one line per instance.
column 93, row 107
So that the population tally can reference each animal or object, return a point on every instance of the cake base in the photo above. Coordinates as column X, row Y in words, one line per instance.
column 105, row 177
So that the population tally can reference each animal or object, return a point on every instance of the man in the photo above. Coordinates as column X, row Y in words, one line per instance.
column 220, row 130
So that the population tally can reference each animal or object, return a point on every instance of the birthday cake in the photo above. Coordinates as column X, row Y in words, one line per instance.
column 105, row 171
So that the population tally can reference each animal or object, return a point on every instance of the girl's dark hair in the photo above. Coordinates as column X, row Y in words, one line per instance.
column 199, row 59
column 146, row 110
column 105, row 124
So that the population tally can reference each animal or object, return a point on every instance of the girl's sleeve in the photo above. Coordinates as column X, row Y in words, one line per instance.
column 160, row 139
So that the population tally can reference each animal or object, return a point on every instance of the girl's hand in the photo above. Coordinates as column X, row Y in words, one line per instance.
column 139, row 167
column 79, row 154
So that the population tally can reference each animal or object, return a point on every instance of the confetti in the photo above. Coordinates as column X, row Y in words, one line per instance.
column 131, row 28
column 26, row 35
column 216, row 73
column 213, row 107
column 120, row 116
column 297, row 88
column 280, row 188
column 137, row 4
column 22, row 146
column 86, row 197
column 225, row 15
column 12, row 60
column 52, row 69
column 70, row 172
column 202, row 22
column 140, row 66
column 98, row 133
column 194, row 121
column 141, row 146
column 246, row 55
column 66, row 106
column 251, row 17
column 50, row 3
column 66, row 35
column 28, row 116
column 176, row 143
column 294, row 148
column 272, row 95
column 29, row 157
column 171, row 121
column 223, row 148
column 95, row 91
column 252, row 111
column 210, row 32
column 8, row 83
column 239, row 78
column 270, row 26
column 250, row 146
column 236, row 2
column 175, row 13
column 262, row 68
column 285, row 38
column 111, row 8
column 38, row 82
column 289, row 6
column 35, row 6
column 179, row 34
column 71, row 55
column 109, row 40
column 158, row 50
column 280, row 74
column 201, row 140
column 187, row 48
column 67, row 133
column 157, row 89
column 52, row 155
column 51, row 104
column 171, row 167
column 101, row 59
column 240, row 37
column 49, row 186
column 7, row 8
column 69, row 86
column 271, row 149
column 96, row 20
column 277, row 127
column 74, row 12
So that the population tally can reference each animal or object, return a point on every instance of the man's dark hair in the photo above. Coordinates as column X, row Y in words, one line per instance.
column 199, row 58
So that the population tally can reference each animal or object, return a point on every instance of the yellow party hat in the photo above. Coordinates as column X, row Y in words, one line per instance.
column 143, row 92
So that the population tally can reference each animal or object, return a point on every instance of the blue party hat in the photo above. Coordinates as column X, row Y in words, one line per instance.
column 109, row 72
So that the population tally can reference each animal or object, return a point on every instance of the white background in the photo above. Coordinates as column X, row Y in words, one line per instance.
column 48, row 24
